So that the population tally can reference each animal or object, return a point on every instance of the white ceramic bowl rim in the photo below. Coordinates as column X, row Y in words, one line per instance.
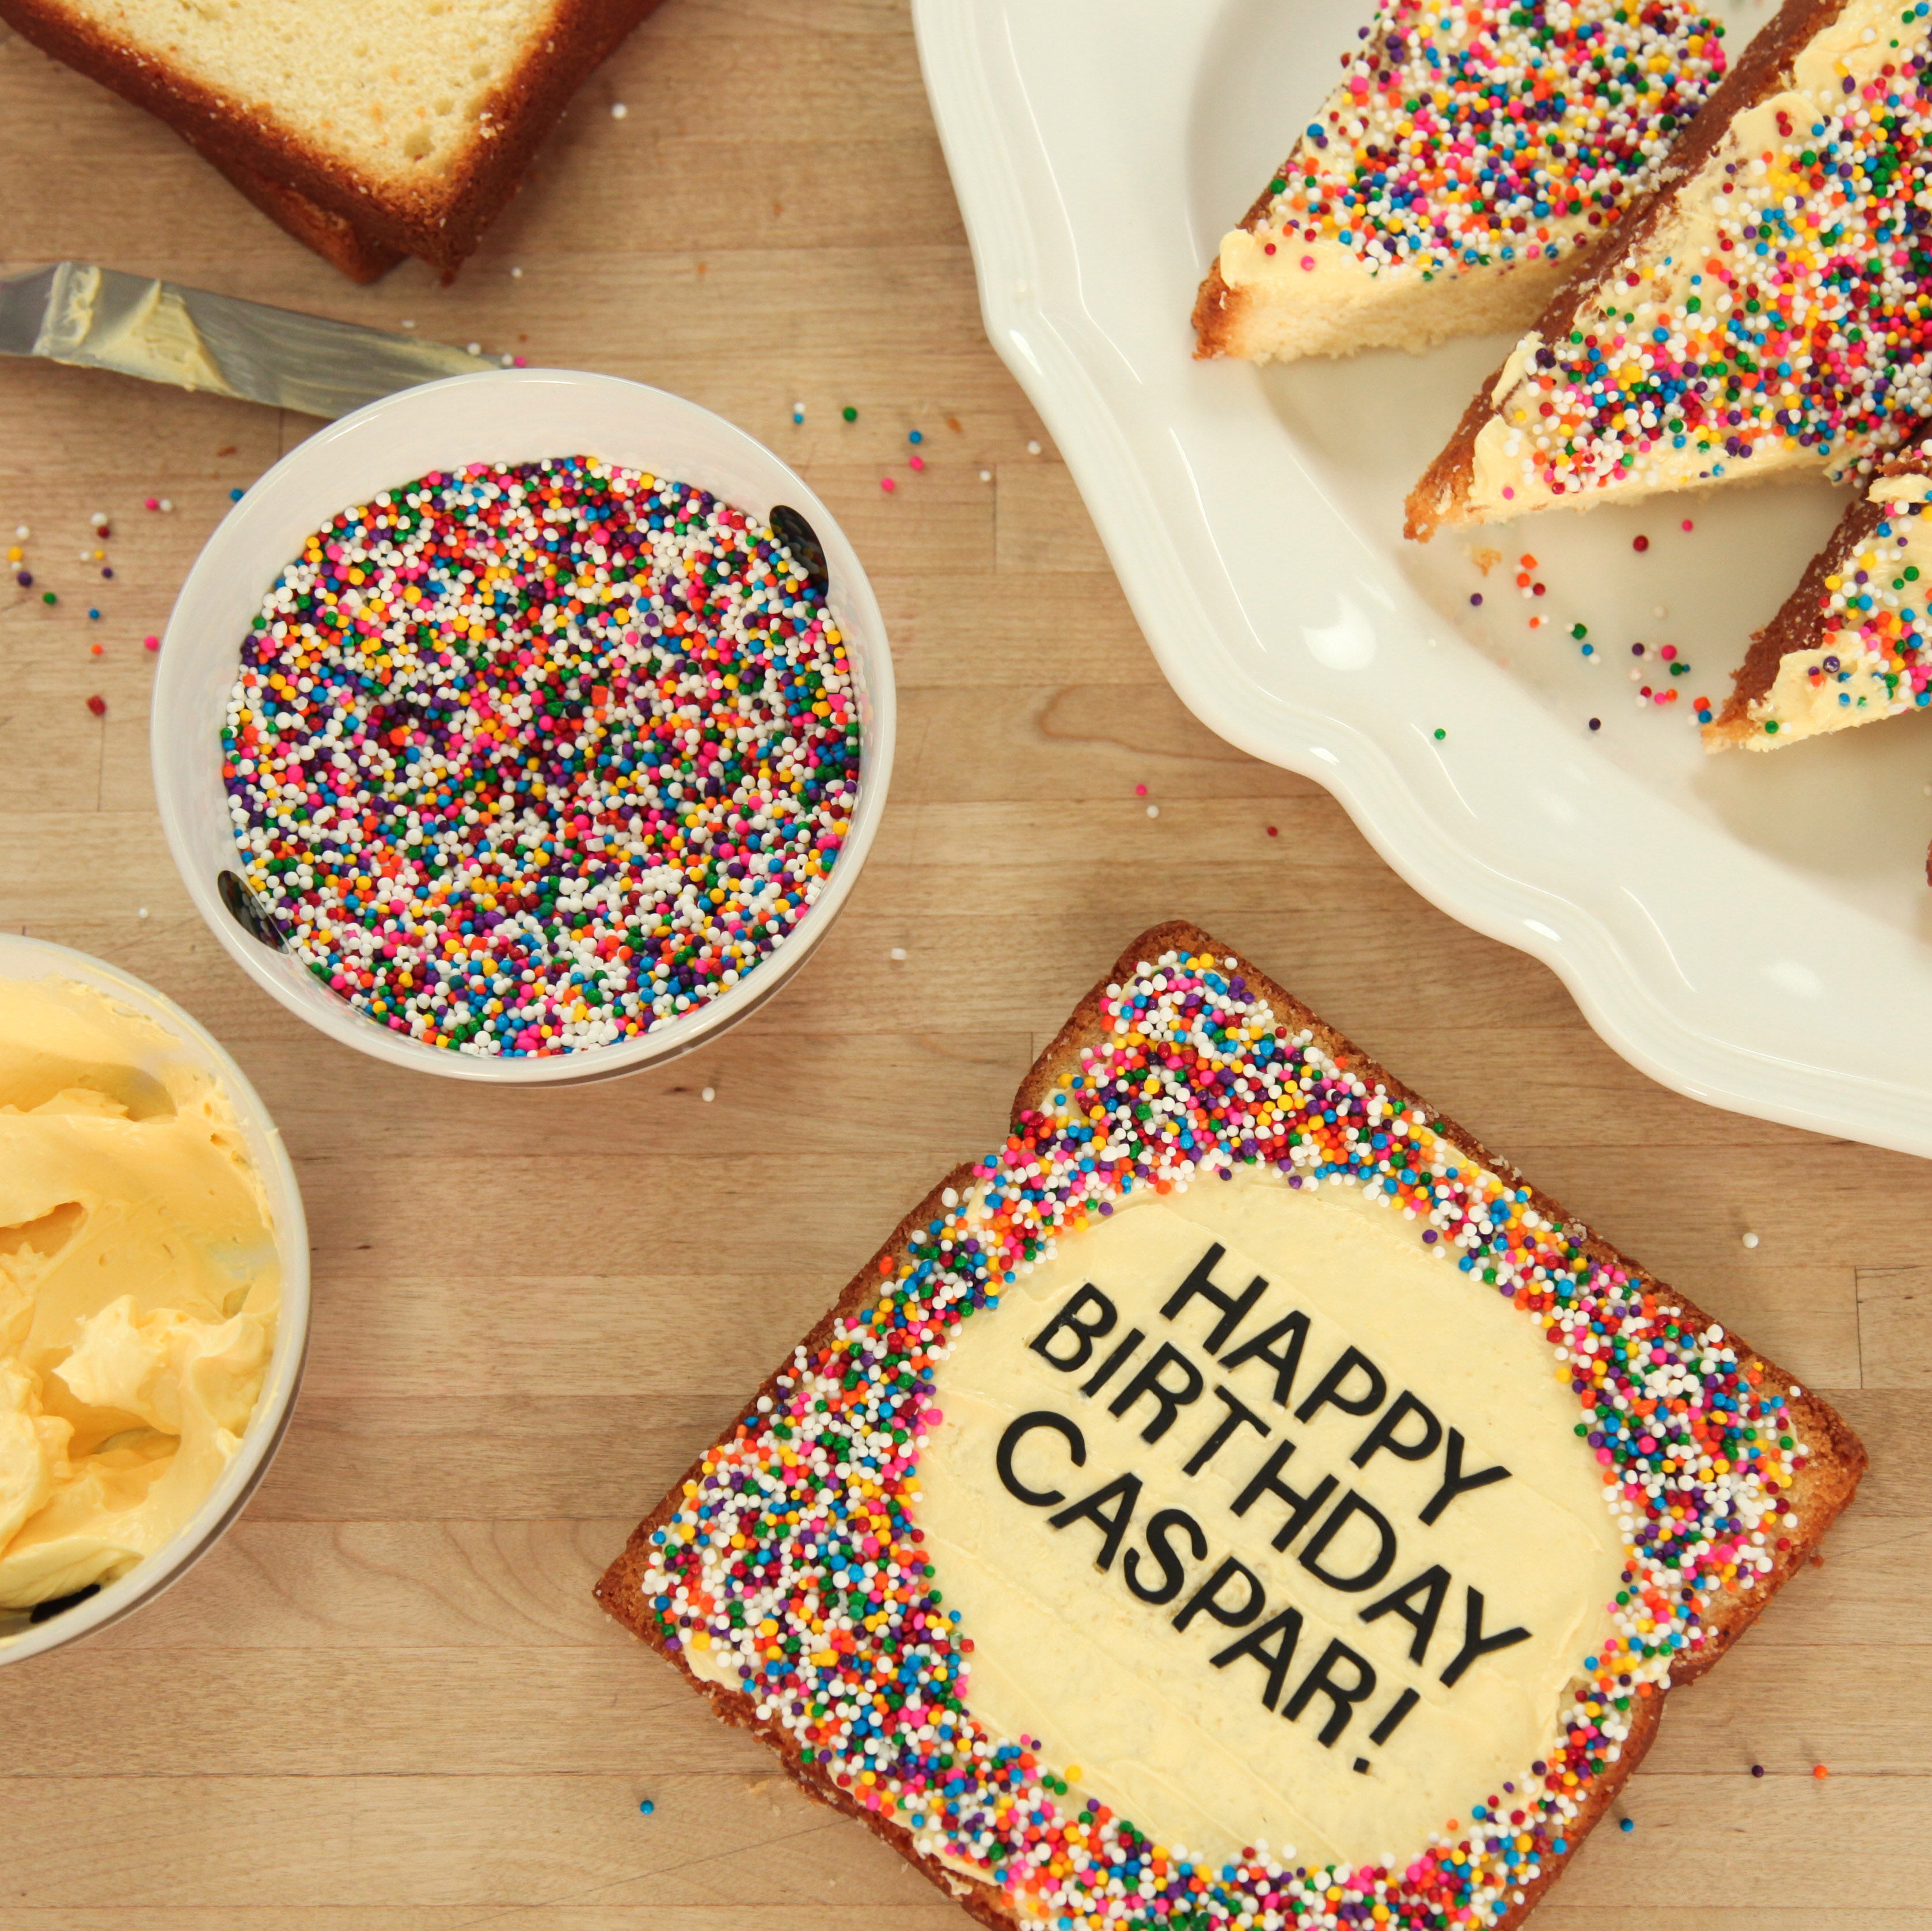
column 501, row 415
column 28, row 958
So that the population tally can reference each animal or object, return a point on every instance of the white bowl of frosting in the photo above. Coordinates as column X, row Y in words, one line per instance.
column 154, row 1294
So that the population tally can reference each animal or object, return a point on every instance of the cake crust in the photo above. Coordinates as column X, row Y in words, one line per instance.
column 1836, row 1458
column 1443, row 494
column 336, row 239
column 441, row 220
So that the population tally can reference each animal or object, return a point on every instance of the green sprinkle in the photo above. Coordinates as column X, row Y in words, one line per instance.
column 1440, row 734
column 850, row 414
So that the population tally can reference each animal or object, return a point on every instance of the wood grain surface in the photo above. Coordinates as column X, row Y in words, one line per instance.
column 387, row 1701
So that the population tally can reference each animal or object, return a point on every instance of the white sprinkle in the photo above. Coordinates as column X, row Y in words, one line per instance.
column 408, row 321
column 1153, row 811
column 618, row 110
column 948, row 1197
column 142, row 914
column 507, row 361
column 1750, row 1240
column 986, row 476
column 98, row 518
column 1033, row 448
column 1659, row 610
column 898, row 952
column 475, row 348
column 709, row 1093
column 167, row 503
column 516, row 274
column 20, row 529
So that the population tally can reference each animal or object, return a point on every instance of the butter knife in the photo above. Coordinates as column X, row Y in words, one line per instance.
column 101, row 319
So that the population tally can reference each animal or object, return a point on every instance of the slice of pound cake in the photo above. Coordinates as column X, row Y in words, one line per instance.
column 1765, row 310
column 1471, row 151
column 370, row 129
column 1853, row 642
column 1238, row 1500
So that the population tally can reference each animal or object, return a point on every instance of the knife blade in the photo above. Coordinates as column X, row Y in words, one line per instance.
column 102, row 318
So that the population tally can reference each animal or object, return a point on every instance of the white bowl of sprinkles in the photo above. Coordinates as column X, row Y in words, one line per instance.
column 501, row 732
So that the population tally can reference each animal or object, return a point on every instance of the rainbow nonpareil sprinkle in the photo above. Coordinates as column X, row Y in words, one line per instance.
column 793, row 1564
column 1780, row 313
column 523, row 760
column 1490, row 135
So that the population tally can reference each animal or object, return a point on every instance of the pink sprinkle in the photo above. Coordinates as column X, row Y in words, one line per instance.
column 151, row 502
column 886, row 484
column 1688, row 523
column 1669, row 651
column 151, row 644
column 1308, row 262
column 916, row 462
column 1508, row 492
column 1140, row 790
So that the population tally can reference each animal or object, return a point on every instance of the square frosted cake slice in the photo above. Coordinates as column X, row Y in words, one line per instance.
column 1237, row 1499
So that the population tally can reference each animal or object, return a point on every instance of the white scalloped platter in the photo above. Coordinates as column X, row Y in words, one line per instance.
column 1753, row 930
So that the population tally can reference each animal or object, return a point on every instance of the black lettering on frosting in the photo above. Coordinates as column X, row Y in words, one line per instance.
column 1109, row 1367
column 1239, row 1415
column 1170, row 1400
column 1234, row 1307
column 1327, row 1392
column 1083, row 1333
column 1379, row 1564
column 1124, row 1490
column 1283, row 1631
column 1018, row 1429
column 1433, row 1586
column 1475, row 1643
column 1454, row 1482
column 1266, row 1481
column 1172, row 1573
column 1208, row 1597
column 1398, row 1709
column 1292, row 1332
column 1342, row 1697
column 1383, row 1434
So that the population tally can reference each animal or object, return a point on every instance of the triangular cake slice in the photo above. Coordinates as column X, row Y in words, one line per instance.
column 1450, row 180
column 1762, row 310
column 1238, row 1500
column 1853, row 642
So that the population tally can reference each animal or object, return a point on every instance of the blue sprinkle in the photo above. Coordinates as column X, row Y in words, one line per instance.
column 647, row 1806
column 234, row 496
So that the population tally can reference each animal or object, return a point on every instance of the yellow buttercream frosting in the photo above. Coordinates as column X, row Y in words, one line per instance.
column 139, row 1288
column 1170, row 1724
